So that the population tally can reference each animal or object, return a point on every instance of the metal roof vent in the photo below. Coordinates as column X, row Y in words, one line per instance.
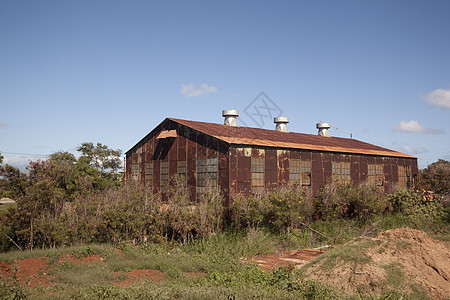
column 230, row 117
column 281, row 123
column 323, row 128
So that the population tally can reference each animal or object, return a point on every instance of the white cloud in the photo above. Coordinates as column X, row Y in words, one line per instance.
column 409, row 150
column 439, row 98
column 415, row 127
column 190, row 90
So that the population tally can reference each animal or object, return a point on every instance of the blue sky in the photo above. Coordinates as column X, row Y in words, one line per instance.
column 110, row 71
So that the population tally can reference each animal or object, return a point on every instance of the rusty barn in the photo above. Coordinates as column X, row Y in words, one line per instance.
column 251, row 160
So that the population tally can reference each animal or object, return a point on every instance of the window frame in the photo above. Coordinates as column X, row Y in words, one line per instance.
column 341, row 172
column 258, row 166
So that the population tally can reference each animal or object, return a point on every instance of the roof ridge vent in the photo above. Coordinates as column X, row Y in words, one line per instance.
column 230, row 117
column 323, row 128
column 281, row 123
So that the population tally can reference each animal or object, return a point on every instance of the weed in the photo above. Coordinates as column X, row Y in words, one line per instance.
column 350, row 252
column 394, row 274
column 11, row 290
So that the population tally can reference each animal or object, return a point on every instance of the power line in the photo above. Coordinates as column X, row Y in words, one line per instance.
column 20, row 153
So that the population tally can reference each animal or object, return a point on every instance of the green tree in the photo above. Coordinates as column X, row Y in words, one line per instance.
column 46, row 194
column 436, row 177
column 12, row 181
column 1, row 158
column 107, row 161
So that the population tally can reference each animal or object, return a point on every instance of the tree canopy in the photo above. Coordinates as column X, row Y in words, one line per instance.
column 436, row 177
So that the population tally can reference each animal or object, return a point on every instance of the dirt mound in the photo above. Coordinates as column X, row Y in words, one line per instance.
column 400, row 259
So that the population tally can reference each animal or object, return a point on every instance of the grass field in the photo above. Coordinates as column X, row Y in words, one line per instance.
column 206, row 269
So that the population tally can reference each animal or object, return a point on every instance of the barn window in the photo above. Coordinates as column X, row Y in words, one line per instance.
column 300, row 172
column 135, row 171
column 149, row 174
column 306, row 172
column 294, row 171
column 258, row 174
column 341, row 172
column 404, row 176
column 206, row 173
column 375, row 174
column 181, row 170
column 164, row 165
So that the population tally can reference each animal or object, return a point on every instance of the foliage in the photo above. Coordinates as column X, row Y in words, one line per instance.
column 289, row 207
column 436, row 177
column 348, row 201
column 423, row 215
column 12, row 182
column 47, row 192
column 281, row 210
column 107, row 161
column 11, row 290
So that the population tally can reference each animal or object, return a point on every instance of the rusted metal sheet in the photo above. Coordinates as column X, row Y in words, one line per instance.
column 235, row 161
column 244, row 172
column 326, row 167
column 317, row 172
column 355, row 173
column 293, row 140
column 233, row 169
column 191, row 139
column 283, row 167
column 224, row 175
column 271, row 172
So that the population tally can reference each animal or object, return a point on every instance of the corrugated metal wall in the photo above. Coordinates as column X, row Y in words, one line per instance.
column 235, row 162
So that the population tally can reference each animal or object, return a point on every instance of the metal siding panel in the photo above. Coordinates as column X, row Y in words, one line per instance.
column 156, row 176
column 304, row 155
column 326, row 167
column 212, row 146
column 129, row 162
column 182, row 145
column 317, row 179
column 355, row 169
column 295, row 154
column 283, row 167
column 201, row 145
column 173, row 157
column 223, row 176
column 243, row 172
column 232, row 170
column 191, row 163
column 271, row 170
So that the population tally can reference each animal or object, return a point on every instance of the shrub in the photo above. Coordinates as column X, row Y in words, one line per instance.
column 289, row 207
column 347, row 201
column 423, row 215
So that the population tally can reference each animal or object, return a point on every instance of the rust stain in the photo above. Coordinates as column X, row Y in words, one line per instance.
column 277, row 139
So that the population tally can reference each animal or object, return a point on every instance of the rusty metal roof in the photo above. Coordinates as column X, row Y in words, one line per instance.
column 277, row 139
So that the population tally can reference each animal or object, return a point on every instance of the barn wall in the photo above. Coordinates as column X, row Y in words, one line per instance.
column 277, row 168
column 234, row 162
column 188, row 146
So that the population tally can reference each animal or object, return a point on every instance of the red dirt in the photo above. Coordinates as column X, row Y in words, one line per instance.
column 271, row 261
column 139, row 275
column 29, row 271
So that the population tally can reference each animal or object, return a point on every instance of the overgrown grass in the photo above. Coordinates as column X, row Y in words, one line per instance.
column 218, row 257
